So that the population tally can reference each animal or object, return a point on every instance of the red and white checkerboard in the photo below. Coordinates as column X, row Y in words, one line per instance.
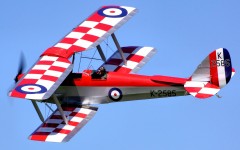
column 55, row 130
column 53, row 66
column 136, row 57
column 43, row 78
column 201, row 89
column 92, row 31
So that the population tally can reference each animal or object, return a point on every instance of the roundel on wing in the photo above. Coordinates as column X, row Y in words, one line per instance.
column 115, row 94
column 113, row 12
column 31, row 89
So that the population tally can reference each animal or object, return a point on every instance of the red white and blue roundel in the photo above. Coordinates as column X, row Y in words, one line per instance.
column 115, row 94
column 113, row 12
column 31, row 89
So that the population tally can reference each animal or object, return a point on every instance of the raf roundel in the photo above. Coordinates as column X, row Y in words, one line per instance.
column 115, row 94
column 113, row 12
column 31, row 89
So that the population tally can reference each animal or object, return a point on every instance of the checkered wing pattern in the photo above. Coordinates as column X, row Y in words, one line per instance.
column 43, row 78
column 55, row 130
column 201, row 89
column 136, row 57
column 92, row 31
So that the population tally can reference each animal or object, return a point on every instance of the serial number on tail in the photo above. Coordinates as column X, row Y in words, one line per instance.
column 218, row 63
column 163, row 93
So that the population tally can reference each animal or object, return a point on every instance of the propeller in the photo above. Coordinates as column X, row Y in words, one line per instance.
column 21, row 67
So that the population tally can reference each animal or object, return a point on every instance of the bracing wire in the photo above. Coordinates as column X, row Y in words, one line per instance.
column 92, row 59
column 49, row 109
column 108, row 46
column 45, row 112
column 79, row 65
column 106, row 42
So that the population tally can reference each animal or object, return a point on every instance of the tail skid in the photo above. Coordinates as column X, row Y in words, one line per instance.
column 211, row 75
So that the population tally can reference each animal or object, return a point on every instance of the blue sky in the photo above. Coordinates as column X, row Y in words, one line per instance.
column 184, row 33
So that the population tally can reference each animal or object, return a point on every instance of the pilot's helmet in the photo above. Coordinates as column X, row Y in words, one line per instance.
column 102, row 69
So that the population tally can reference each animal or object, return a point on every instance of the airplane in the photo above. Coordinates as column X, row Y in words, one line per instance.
column 52, row 80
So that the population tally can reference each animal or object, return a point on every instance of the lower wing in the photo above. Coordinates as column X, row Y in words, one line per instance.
column 55, row 130
column 136, row 57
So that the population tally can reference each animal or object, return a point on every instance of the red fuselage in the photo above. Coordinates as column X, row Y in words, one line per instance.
column 82, row 88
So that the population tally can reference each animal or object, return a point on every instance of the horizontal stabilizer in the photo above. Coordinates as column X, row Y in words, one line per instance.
column 201, row 89
column 55, row 130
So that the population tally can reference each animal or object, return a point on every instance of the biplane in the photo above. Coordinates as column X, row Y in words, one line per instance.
column 52, row 80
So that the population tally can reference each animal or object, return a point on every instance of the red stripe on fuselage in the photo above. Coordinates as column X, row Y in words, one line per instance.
column 123, row 69
column 117, row 79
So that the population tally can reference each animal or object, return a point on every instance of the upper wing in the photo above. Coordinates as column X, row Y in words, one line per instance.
column 55, row 130
column 41, row 81
column 92, row 31
column 43, row 78
column 136, row 57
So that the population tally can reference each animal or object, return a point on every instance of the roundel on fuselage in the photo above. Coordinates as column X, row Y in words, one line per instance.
column 115, row 94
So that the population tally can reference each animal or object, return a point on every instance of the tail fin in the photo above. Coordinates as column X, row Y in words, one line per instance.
column 211, row 75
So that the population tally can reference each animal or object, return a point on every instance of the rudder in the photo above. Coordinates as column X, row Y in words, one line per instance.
column 220, row 67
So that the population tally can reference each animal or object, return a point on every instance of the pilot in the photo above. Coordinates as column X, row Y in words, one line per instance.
column 101, row 73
